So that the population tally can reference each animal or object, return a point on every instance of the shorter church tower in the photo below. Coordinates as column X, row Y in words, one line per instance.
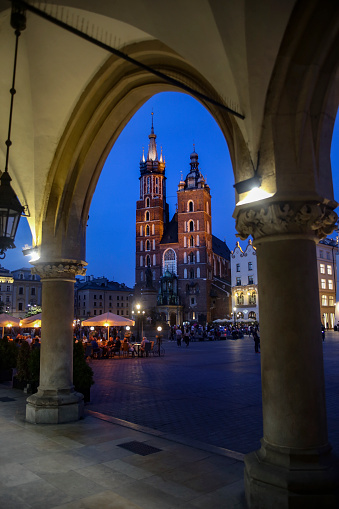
column 195, row 243
column 151, row 214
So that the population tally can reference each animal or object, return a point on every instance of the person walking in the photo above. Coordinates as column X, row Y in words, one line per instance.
column 256, row 341
column 178, row 334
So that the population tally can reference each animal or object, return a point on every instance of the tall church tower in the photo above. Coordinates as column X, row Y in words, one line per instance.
column 195, row 254
column 151, row 214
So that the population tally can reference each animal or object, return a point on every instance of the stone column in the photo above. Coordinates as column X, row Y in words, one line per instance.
column 294, row 467
column 56, row 401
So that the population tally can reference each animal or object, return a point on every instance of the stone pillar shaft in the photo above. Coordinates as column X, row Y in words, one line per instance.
column 56, row 372
column 293, row 392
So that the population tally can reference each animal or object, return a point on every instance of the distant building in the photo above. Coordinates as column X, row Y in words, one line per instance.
column 327, row 250
column 19, row 290
column 95, row 296
column 245, row 301
column 187, row 267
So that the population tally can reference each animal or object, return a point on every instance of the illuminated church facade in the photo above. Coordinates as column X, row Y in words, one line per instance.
column 179, row 261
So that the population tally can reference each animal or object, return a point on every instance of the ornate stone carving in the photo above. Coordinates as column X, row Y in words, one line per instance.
column 60, row 270
column 315, row 219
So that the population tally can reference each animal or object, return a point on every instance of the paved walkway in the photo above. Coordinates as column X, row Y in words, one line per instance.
column 210, row 391
column 160, row 433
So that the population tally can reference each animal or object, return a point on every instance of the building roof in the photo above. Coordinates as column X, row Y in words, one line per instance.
column 112, row 286
column 219, row 247
column 170, row 235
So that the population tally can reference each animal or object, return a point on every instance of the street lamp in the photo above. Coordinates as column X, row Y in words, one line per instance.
column 159, row 329
column 140, row 314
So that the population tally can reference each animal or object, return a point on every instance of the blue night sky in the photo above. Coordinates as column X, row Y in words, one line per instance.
column 179, row 121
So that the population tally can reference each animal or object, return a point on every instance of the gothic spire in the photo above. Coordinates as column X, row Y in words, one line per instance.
column 152, row 147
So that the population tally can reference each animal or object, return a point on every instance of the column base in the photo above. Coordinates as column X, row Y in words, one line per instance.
column 54, row 407
column 291, row 480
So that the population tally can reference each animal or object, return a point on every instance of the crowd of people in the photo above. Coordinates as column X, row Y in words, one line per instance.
column 102, row 348
column 34, row 342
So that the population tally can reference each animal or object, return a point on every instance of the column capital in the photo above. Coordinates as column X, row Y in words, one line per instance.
column 285, row 219
column 63, row 270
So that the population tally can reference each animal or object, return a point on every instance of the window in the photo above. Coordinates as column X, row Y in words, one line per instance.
column 331, row 300
column 328, row 256
column 147, row 215
column 323, row 284
column 191, row 241
column 141, row 231
column 192, row 274
column 322, row 268
column 198, row 256
column 153, row 229
column 198, row 227
column 170, row 261
column 153, row 244
column 94, row 304
column 118, row 311
column 154, row 260
column 141, row 276
column 147, row 202
column 20, row 307
column 324, row 300
column 250, row 266
column 250, row 280
column 240, row 298
column 329, row 270
column 238, row 281
column 141, row 261
column 21, row 290
column 198, row 272
column 192, row 301
column 185, row 241
column 190, row 206
column 238, row 267
column 191, row 226
column 198, row 240
column 147, row 230
column 8, row 288
column 148, row 245
column 252, row 298
column 148, row 181
column 185, row 273
column 191, row 258
column 330, row 284
column 148, row 261
column 141, row 245
column 95, row 311
column 33, row 291
column 320, row 254
column 94, row 296
column 118, row 304
column 100, row 296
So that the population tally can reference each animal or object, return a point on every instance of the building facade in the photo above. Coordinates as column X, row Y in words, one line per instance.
column 95, row 296
column 327, row 250
column 245, row 299
column 19, row 291
column 181, row 259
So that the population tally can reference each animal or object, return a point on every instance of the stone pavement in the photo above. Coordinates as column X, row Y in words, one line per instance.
column 210, row 392
column 160, row 433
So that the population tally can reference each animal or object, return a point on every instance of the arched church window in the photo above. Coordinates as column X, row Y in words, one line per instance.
column 147, row 230
column 148, row 261
column 191, row 241
column 147, row 215
column 147, row 203
column 190, row 206
column 191, row 257
column 198, row 240
column 191, row 226
column 148, row 183
column 169, row 262
column 191, row 273
column 148, row 245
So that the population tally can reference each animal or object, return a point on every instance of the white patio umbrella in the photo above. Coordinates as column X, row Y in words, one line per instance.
column 107, row 320
column 8, row 321
column 31, row 321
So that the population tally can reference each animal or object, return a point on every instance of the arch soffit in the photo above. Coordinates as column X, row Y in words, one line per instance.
column 108, row 103
column 303, row 100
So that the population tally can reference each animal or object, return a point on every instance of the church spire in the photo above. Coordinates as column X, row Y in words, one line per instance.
column 152, row 147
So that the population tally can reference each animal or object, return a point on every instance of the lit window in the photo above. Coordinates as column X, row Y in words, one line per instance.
column 331, row 300
column 329, row 270
column 250, row 280
column 238, row 267
column 324, row 300
column 170, row 261
column 323, row 284
column 330, row 284
column 322, row 268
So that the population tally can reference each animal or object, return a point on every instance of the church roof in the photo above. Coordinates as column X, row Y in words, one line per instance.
column 170, row 235
column 219, row 247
